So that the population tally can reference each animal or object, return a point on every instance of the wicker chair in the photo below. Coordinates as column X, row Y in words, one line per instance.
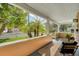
column 68, row 48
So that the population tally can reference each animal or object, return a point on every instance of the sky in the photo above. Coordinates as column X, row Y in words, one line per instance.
column 32, row 17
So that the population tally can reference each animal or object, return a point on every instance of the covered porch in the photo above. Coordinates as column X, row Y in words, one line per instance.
column 48, row 25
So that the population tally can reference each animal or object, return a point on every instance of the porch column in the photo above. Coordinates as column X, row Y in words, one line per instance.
column 48, row 26
column 58, row 27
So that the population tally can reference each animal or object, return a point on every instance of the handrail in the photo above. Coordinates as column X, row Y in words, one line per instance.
column 26, row 47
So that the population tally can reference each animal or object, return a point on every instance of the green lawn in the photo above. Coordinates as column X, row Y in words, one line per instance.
column 12, row 39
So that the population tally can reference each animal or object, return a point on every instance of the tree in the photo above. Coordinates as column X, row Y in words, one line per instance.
column 11, row 17
column 3, row 16
column 37, row 27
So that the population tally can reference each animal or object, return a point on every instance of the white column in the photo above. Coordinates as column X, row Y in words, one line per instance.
column 48, row 26
column 58, row 27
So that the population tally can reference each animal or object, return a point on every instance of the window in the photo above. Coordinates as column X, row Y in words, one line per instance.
column 66, row 28
column 17, row 24
column 36, row 25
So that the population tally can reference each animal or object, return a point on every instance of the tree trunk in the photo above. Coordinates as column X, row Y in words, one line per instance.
column 2, row 28
column 9, row 31
column 35, row 34
column 38, row 30
column 29, row 34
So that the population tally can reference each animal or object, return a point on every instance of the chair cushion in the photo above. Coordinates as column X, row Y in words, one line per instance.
column 68, row 47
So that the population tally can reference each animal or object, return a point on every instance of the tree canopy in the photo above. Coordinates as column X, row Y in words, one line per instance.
column 11, row 16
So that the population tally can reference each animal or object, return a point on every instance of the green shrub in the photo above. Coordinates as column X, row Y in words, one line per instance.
column 12, row 39
column 3, row 40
